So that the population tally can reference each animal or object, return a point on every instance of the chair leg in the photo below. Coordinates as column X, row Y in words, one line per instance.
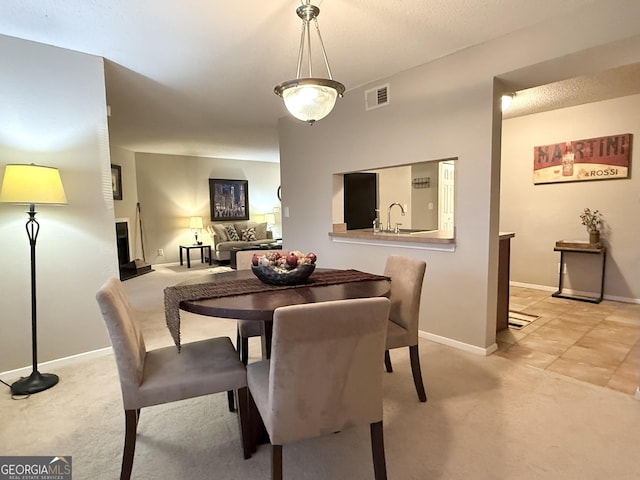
column 131, row 424
column 246, row 435
column 276, row 462
column 417, row 373
column 244, row 350
column 230, row 401
column 387, row 361
column 258, row 430
column 377, row 449
column 242, row 345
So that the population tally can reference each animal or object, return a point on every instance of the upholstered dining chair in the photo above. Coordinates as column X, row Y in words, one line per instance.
column 406, row 275
column 248, row 328
column 324, row 374
column 165, row 375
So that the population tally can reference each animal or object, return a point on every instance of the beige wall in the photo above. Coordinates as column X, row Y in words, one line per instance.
column 542, row 214
column 445, row 109
column 172, row 188
column 54, row 113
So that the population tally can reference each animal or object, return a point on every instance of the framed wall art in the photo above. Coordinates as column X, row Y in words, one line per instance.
column 116, row 181
column 228, row 199
column 600, row 158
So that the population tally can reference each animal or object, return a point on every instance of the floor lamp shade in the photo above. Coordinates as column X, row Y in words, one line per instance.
column 27, row 184
column 31, row 184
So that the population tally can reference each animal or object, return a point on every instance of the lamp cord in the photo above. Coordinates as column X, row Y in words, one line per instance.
column 15, row 396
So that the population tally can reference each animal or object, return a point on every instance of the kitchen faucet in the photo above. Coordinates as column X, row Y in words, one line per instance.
column 389, row 215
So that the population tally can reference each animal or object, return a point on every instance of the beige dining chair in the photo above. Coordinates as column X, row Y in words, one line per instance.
column 248, row 328
column 154, row 377
column 323, row 375
column 406, row 275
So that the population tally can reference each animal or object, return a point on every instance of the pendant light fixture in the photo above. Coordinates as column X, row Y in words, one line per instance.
column 506, row 100
column 309, row 98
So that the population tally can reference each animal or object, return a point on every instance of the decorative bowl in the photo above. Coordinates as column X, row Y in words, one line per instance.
column 272, row 276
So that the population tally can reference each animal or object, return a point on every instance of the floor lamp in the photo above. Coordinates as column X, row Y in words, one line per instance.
column 31, row 184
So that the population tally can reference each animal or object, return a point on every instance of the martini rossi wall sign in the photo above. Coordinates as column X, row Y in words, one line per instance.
column 601, row 158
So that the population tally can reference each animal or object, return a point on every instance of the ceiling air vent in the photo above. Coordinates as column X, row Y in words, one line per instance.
column 376, row 97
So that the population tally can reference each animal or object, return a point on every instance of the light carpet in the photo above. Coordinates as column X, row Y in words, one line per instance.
column 486, row 418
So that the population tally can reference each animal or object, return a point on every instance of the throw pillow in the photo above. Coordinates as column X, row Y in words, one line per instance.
column 231, row 233
column 240, row 226
column 261, row 230
column 220, row 231
column 249, row 235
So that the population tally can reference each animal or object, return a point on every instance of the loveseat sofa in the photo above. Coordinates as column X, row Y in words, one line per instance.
column 225, row 236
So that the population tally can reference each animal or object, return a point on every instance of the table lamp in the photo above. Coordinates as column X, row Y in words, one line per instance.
column 270, row 218
column 31, row 184
column 195, row 224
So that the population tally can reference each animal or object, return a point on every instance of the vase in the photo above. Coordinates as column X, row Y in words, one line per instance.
column 594, row 238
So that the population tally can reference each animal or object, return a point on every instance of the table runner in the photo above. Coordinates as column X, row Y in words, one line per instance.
column 200, row 291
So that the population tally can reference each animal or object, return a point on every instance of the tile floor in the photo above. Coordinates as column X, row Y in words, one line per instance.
column 595, row 343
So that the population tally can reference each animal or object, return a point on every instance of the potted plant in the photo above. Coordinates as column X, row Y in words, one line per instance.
column 593, row 221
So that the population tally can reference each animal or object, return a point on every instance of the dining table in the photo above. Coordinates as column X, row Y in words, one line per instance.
column 241, row 295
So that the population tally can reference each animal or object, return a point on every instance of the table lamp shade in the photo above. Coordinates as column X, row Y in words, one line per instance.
column 195, row 222
column 30, row 184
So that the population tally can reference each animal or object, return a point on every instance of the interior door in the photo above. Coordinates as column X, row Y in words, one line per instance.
column 446, row 196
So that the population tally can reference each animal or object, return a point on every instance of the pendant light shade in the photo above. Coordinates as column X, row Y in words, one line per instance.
column 309, row 99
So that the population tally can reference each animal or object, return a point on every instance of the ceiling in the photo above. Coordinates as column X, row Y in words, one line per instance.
column 196, row 78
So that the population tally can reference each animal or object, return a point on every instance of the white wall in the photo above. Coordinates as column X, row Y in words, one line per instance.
column 172, row 188
column 446, row 109
column 424, row 120
column 54, row 113
column 394, row 185
column 127, row 207
column 542, row 214
column 424, row 201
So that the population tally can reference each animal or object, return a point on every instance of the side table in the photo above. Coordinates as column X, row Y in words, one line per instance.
column 202, row 248
column 592, row 249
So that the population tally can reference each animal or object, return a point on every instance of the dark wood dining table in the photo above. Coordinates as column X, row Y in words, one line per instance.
column 261, row 305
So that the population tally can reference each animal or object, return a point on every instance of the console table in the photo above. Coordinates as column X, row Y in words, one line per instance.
column 589, row 249
column 202, row 248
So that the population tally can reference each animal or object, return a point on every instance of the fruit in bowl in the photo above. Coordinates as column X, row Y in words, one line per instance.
column 277, row 269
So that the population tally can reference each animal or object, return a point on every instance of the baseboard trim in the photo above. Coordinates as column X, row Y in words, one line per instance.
column 26, row 371
column 613, row 298
column 534, row 286
column 459, row 345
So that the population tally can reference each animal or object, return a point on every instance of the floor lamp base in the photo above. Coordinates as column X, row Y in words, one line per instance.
column 34, row 383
